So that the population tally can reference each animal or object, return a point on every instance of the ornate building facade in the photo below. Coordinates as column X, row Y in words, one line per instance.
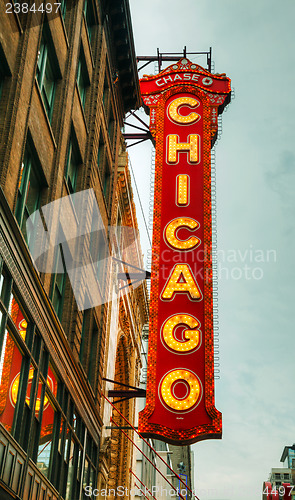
column 67, row 77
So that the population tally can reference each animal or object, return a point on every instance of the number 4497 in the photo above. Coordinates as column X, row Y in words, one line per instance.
column 284, row 491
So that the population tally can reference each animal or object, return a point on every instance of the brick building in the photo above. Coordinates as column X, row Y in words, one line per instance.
column 67, row 78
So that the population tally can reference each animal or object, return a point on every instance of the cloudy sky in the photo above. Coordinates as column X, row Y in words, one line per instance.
column 253, row 43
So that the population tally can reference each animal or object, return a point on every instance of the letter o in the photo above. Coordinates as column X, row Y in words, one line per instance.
column 167, row 386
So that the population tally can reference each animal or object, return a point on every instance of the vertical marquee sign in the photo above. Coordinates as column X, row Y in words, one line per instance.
column 184, row 102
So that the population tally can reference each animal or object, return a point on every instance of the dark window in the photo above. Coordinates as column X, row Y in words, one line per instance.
column 4, row 69
column 106, row 181
column 1, row 81
column 89, row 17
column 63, row 8
column 98, row 252
column 93, row 353
column 58, row 283
column 29, row 192
column 111, row 127
column 104, row 169
column 106, row 92
column 46, row 74
column 101, row 154
column 82, row 77
column 73, row 164
column 85, row 329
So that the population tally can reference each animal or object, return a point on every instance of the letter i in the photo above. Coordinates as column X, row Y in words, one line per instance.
column 182, row 190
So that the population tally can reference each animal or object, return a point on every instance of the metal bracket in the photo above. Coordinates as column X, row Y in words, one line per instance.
column 125, row 395
column 143, row 135
column 142, row 275
column 173, row 56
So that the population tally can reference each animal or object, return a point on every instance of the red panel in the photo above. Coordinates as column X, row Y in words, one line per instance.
column 181, row 412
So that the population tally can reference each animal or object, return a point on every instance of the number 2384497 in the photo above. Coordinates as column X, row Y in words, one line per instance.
column 25, row 8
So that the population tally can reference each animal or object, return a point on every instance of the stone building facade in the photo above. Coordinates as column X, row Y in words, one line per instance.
column 67, row 77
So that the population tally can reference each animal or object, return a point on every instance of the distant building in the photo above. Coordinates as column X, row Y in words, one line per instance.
column 288, row 457
column 281, row 476
column 182, row 459
column 278, row 476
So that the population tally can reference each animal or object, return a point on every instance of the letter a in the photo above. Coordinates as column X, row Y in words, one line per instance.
column 181, row 280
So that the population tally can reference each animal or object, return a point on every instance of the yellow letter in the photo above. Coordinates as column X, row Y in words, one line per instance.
column 191, row 338
column 181, row 280
column 192, row 386
column 173, row 110
column 182, row 190
column 171, row 233
column 192, row 147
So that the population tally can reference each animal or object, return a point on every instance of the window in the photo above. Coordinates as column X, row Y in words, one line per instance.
column 59, row 281
column 105, row 175
column 111, row 126
column 35, row 406
column 89, row 17
column 73, row 163
column 90, row 463
column 85, row 327
column 104, row 170
column 101, row 153
column 106, row 181
column 82, row 77
column 4, row 69
column 46, row 74
column 89, row 349
column 10, row 372
column 29, row 192
column 98, row 252
column 106, row 92
column 93, row 354
column 63, row 9
column 1, row 82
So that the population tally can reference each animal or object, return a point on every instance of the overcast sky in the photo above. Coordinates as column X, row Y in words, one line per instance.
column 253, row 43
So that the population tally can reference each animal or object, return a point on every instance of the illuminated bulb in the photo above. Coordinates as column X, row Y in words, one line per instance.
column 192, row 146
column 182, row 376
column 191, row 337
column 172, row 229
column 176, row 104
column 188, row 285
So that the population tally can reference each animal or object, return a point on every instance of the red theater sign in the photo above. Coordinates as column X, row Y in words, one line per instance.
column 184, row 102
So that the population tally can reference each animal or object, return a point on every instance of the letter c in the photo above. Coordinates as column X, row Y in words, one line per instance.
column 173, row 110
